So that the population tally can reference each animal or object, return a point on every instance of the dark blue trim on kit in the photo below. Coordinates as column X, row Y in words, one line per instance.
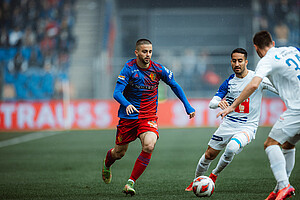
column 217, row 138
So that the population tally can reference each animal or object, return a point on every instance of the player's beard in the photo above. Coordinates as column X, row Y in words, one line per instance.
column 144, row 61
column 240, row 73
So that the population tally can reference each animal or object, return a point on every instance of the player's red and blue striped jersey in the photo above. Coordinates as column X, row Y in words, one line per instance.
column 139, row 87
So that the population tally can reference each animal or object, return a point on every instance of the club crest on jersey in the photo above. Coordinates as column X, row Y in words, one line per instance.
column 153, row 76
column 243, row 107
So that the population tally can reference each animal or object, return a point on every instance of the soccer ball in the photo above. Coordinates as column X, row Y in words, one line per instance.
column 203, row 186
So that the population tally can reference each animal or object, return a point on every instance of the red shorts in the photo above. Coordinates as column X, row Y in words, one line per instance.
column 129, row 129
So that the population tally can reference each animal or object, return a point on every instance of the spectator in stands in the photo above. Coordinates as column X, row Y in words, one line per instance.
column 18, row 18
column 202, row 62
column 29, row 37
column 33, row 12
column 15, row 37
column 48, row 46
column 35, row 59
column 189, row 61
column 30, row 34
column 201, row 67
column 4, row 38
column 282, row 9
column 281, row 31
column 278, row 14
column 6, row 14
column 63, row 60
column 17, row 65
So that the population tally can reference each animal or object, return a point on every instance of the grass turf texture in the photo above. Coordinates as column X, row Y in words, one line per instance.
column 68, row 166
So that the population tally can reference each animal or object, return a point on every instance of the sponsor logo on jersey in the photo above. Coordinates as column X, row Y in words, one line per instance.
column 152, row 124
column 153, row 76
column 243, row 107
column 148, row 87
column 136, row 70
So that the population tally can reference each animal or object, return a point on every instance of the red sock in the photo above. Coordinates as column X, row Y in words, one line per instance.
column 109, row 159
column 140, row 165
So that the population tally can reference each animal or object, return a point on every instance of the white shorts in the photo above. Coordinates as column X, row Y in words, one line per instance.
column 287, row 128
column 242, row 135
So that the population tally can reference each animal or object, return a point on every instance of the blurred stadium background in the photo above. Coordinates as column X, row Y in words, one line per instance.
column 59, row 59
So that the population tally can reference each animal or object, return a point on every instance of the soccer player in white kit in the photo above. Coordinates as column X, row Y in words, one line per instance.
column 282, row 67
column 239, row 128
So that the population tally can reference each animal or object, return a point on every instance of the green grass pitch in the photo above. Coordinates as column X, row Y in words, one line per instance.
column 68, row 166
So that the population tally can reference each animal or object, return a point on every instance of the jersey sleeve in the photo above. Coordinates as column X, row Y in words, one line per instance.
column 167, row 75
column 124, row 76
column 223, row 89
column 214, row 102
column 123, row 80
column 263, row 68
column 267, row 85
column 168, row 78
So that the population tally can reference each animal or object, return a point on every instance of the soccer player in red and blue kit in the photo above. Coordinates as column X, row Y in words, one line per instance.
column 137, row 92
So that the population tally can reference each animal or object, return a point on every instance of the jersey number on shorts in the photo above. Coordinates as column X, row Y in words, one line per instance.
column 243, row 107
column 295, row 62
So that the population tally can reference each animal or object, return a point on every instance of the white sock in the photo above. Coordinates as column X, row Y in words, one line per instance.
column 277, row 164
column 289, row 155
column 202, row 166
column 226, row 158
column 223, row 162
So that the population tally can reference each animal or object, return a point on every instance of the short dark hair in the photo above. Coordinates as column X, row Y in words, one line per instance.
column 240, row 50
column 141, row 42
column 262, row 39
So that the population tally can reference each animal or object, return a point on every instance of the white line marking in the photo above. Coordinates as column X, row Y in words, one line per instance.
column 27, row 138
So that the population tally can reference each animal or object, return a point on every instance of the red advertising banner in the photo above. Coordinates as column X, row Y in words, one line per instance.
column 101, row 114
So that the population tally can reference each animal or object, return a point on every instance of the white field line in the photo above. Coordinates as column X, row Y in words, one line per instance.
column 27, row 138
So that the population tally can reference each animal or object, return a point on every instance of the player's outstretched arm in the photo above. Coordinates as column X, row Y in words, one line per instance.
column 217, row 102
column 178, row 91
column 268, row 85
column 118, row 95
column 214, row 102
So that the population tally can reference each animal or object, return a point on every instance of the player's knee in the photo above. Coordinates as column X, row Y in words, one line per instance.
column 119, row 154
column 288, row 145
column 209, row 155
column 266, row 144
column 269, row 142
column 149, row 148
column 232, row 148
